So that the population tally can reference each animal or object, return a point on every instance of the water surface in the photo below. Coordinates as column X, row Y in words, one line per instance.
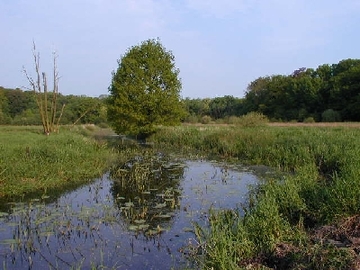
column 114, row 225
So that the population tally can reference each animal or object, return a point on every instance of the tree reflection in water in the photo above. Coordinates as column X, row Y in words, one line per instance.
column 146, row 190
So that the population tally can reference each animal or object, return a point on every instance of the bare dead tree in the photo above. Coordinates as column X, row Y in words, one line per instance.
column 47, row 105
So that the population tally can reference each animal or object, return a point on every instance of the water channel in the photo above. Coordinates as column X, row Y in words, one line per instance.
column 109, row 224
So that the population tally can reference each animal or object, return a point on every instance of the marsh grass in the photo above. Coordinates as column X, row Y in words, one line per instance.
column 32, row 163
column 320, row 185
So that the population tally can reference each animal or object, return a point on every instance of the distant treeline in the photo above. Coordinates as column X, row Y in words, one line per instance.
column 326, row 94
column 329, row 93
column 18, row 107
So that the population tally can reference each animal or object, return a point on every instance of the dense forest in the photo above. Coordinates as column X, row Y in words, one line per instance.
column 326, row 94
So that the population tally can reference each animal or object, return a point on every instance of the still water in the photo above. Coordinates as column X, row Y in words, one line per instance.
column 110, row 224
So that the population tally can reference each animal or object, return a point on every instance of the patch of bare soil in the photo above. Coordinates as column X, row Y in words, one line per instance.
column 344, row 234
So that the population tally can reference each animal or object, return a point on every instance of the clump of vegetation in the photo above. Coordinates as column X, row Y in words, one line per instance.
column 319, row 187
column 205, row 119
column 253, row 119
column 309, row 120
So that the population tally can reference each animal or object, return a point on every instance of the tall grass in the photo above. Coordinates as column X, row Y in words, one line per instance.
column 31, row 162
column 320, row 185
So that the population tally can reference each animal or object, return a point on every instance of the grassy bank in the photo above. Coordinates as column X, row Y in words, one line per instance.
column 283, row 227
column 32, row 163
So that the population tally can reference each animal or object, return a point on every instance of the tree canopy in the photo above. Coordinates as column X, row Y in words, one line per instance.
column 145, row 91
column 330, row 92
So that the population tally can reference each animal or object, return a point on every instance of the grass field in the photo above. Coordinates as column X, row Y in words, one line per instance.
column 305, row 219
column 31, row 162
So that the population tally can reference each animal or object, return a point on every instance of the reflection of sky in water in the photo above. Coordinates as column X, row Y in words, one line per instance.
column 90, row 230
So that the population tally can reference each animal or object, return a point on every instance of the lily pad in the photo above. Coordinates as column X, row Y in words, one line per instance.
column 164, row 216
column 129, row 204
column 140, row 221
column 143, row 227
column 8, row 241
column 133, row 228
column 160, row 205
column 152, row 232
column 3, row 214
column 187, row 229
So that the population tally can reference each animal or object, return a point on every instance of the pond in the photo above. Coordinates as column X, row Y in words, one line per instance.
column 138, row 216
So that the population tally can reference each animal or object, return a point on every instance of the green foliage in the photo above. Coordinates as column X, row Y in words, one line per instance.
column 191, row 119
column 198, row 107
column 19, row 107
column 330, row 116
column 145, row 91
column 308, row 92
column 253, row 119
column 205, row 119
column 309, row 120
column 233, row 120
column 226, row 106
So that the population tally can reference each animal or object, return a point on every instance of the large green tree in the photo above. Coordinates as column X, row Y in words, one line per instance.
column 145, row 91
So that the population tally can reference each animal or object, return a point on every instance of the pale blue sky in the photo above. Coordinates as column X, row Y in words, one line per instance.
column 219, row 46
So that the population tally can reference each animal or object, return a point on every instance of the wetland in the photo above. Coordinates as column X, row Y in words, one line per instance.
column 138, row 216
column 71, row 202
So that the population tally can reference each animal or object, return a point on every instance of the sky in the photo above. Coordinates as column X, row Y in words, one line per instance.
column 219, row 46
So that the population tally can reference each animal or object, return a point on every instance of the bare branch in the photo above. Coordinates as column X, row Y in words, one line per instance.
column 40, row 89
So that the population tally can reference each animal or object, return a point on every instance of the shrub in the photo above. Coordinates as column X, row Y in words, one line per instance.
column 309, row 120
column 330, row 115
column 233, row 120
column 192, row 119
column 253, row 119
column 205, row 119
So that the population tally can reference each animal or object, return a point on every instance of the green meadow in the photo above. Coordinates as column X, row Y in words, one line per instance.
column 32, row 163
column 305, row 218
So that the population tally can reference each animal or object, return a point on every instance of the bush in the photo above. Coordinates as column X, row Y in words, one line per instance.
column 192, row 119
column 309, row 120
column 205, row 119
column 253, row 119
column 330, row 115
column 233, row 120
